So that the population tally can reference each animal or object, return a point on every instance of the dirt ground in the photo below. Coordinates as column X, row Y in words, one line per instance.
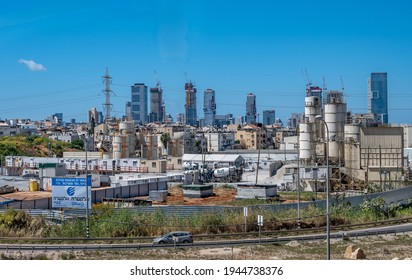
column 223, row 196
column 23, row 195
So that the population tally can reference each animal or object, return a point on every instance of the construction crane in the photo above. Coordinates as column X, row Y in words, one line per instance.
column 308, row 81
column 185, row 73
column 157, row 80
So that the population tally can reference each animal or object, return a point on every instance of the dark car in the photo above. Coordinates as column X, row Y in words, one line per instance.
column 175, row 236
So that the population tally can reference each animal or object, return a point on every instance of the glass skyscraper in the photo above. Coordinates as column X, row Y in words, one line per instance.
column 190, row 105
column 209, row 107
column 378, row 96
column 156, row 101
column 250, row 108
column 269, row 117
column 139, row 103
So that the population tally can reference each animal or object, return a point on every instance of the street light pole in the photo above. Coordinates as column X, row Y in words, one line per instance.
column 87, row 194
column 320, row 118
column 258, row 140
column 298, row 176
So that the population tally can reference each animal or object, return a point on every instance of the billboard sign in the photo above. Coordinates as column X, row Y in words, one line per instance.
column 70, row 193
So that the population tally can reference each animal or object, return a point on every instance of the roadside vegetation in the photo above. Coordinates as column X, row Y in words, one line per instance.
column 35, row 146
column 105, row 222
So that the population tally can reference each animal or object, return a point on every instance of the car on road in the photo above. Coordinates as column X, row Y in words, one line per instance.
column 175, row 236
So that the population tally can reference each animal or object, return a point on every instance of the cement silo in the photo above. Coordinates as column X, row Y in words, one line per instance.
column 127, row 131
column 335, row 117
column 352, row 133
column 117, row 146
column 313, row 107
column 352, row 147
column 306, row 142
column 131, row 136
column 309, row 130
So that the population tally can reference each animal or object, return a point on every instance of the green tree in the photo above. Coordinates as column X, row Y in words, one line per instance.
column 77, row 144
column 165, row 138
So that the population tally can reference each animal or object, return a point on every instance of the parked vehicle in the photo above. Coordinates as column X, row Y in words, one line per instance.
column 190, row 165
column 175, row 236
column 249, row 167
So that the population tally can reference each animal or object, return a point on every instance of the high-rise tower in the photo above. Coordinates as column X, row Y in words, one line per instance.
column 93, row 116
column 378, row 96
column 128, row 110
column 209, row 107
column 190, row 106
column 250, row 108
column 269, row 117
column 139, row 103
column 156, row 102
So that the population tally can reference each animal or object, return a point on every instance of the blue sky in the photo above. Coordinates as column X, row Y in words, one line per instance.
column 234, row 47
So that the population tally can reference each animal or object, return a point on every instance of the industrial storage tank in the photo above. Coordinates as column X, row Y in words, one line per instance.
column 131, row 136
column 312, row 108
column 123, row 126
column 352, row 133
column 128, row 141
column 306, row 141
column 117, row 147
column 335, row 117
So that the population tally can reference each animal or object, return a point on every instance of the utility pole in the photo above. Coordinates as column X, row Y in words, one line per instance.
column 298, row 174
column 320, row 118
column 258, row 160
column 87, row 194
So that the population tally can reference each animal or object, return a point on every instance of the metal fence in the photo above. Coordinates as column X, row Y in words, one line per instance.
column 401, row 196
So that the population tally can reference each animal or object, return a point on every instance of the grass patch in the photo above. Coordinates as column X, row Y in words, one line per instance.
column 105, row 222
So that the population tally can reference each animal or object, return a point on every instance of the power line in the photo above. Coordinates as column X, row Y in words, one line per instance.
column 44, row 105
column 47, row 93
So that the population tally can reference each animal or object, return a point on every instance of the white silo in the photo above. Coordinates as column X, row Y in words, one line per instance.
column 352, row 149
column 352, row 133
column 117, row 147
column 123, row 127
column 126, row 130
column 306, row 142
column 309, row 130
column 335, row 117
column 313, row 107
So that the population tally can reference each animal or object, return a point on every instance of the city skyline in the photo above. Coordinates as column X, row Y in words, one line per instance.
column 55, row 54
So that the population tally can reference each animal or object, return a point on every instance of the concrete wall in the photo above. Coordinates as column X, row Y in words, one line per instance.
column 263, row 192
column 197, row 190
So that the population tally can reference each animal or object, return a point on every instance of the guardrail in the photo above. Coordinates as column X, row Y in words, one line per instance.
column 32, row 248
